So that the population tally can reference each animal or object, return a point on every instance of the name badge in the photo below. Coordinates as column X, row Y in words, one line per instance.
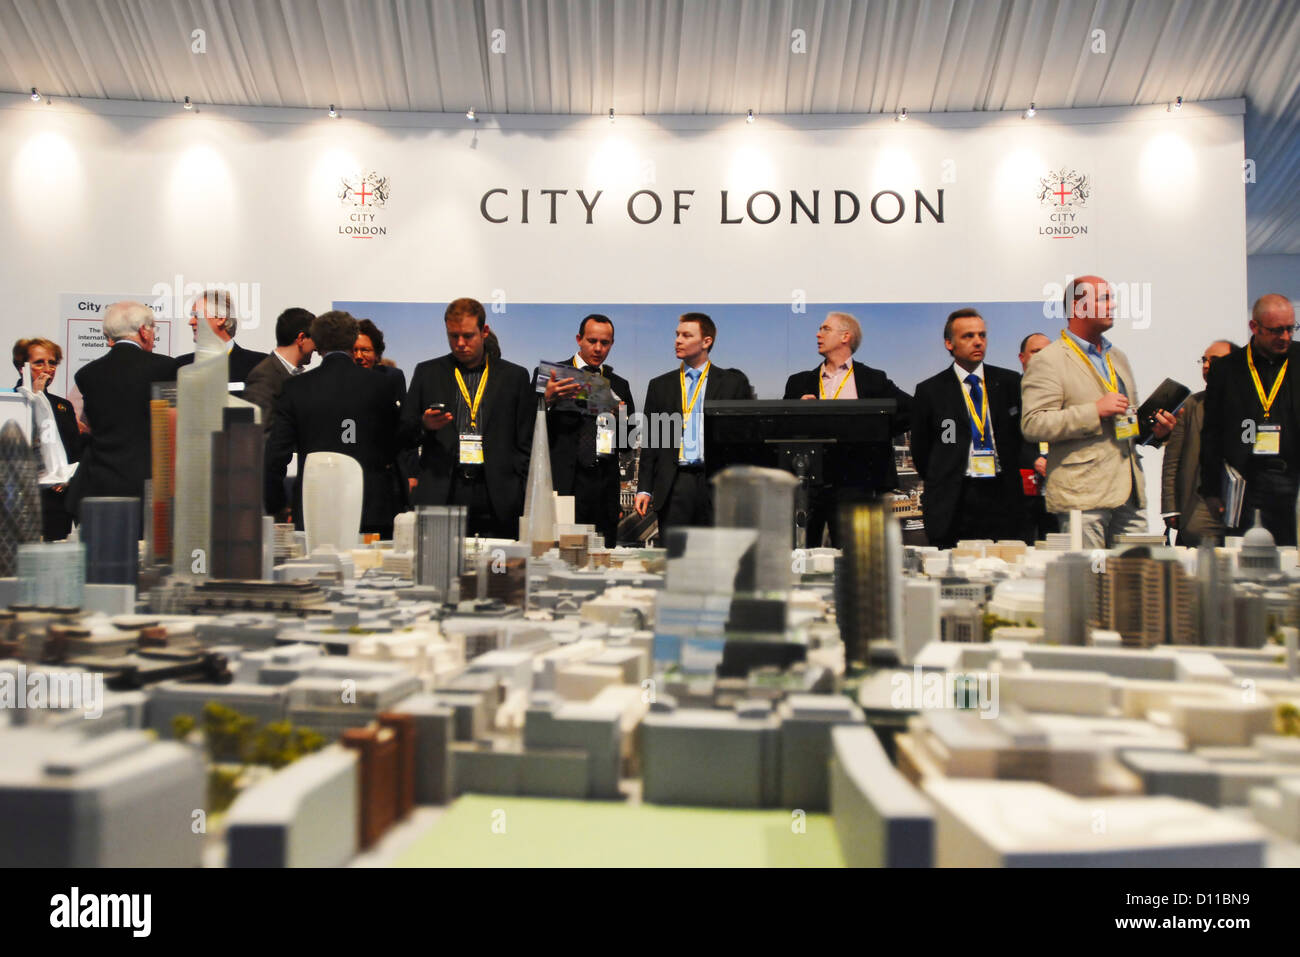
column 1126, row 425
column 983, row 464
column 1268, row 440
column 1042, row 448
column 471, row 448
column 604, row 440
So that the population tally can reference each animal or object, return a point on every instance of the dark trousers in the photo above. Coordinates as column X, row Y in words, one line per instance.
column 595, row 498
column 469, row 488
column 690, row 502
column 1040, row 521
column 984, row 510
column 56, row 523
column 1274, row 495
column 823, row 515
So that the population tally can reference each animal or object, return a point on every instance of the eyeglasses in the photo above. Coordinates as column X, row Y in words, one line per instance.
column 1279, row 330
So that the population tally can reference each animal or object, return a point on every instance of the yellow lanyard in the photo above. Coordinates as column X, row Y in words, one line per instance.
column 975, row 417
column 688, row 407
column 821, row 384
column 478, row 394
column 1110, row 366
column 1265, row 402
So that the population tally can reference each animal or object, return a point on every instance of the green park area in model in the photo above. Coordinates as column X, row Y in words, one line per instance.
column 489, row 831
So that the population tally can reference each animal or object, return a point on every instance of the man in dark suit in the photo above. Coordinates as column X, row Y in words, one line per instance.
column 216, row 309
column 674, row 478
column 473, row 418
column 1252, row 414
column 837, row 340
column 966, row 442
column 116, row 389
column 1181, row 505
column 584, row 451
column 293, row 350
column 336, row 407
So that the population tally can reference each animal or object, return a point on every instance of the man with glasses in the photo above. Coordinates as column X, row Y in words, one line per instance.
column 1181, row 505
column 1252, row 412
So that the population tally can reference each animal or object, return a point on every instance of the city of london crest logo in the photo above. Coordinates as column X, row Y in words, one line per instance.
column 1063, row 196
column 369, row 190
column 1064, row 189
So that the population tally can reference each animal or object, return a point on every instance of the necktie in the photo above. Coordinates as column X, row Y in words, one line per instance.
column 977, row 400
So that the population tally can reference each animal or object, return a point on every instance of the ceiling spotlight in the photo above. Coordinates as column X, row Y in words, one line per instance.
column 1029, row 113
column 36, row 97
column 334, row 114
column 611, row 114
column 469, row 114
column 750, row 117
column 901, row 115
column 189, row 105
column 1175, row 106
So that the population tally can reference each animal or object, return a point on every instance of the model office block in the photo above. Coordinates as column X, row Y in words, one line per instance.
column 303, row 816
column 118, row 800
column 881, row 820
column 711, row 758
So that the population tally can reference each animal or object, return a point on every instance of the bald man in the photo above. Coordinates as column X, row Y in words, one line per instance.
column 1079, row 395
column 1181, row 505
column 1252, row 412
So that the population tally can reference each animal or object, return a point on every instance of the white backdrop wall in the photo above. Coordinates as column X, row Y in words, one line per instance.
column 107, row 196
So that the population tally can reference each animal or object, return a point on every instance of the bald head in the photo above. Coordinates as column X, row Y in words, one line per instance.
column 1089, row 308
column 1215, row 350
column 1032, row 344
column 1272, row 323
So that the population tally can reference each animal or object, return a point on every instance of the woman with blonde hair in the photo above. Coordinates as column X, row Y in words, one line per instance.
column 42, row 357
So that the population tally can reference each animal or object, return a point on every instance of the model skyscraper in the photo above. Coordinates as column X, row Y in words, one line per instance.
column 869, row 578
column 20, row 496
column 237, row 497
column 439, row 546
column 762, row 499
column 537, row 526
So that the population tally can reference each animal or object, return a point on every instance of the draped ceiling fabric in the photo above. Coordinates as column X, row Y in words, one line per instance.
column 688, row 56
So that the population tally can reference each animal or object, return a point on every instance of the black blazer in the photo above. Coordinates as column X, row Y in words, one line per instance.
column 263, row 386
column 562, row 430
column 878, row 470
column 308, row 417
column 940, row 403
column 1230, row 399
column 242, row 362
column 506, row 419
column 115, row 390
column 658, row 467
column 65, row 416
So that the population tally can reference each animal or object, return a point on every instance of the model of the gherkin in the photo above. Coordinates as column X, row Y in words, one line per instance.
column 20, row 497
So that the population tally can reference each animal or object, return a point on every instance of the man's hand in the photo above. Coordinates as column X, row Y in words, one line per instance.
column 1164, row 424
column 1171, row 521
column 642, row 503
column 559, row 388
column 434, row 420
column 808, row 396
column 1215, row 505
column 1040, row 465
column 1112, row 403
column 412, row 483
column 284, row 516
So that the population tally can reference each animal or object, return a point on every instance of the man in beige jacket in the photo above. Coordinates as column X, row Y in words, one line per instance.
column 1080, row 396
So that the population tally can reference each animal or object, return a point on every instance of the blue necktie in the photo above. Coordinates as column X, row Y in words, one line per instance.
column 691, row 438
column 977, row 400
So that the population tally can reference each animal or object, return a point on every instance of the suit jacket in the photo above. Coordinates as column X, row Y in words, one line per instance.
column 658, row 466
column 506, row 419
column 242, row 362
column 1087, row 467
column 1230, row 399
column 116, row 389
column 563, row 429
column 65, row 416
column 308, row 418
column 263, row 385
column 1181, row 471
column 878, row 470
column 940, row 404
